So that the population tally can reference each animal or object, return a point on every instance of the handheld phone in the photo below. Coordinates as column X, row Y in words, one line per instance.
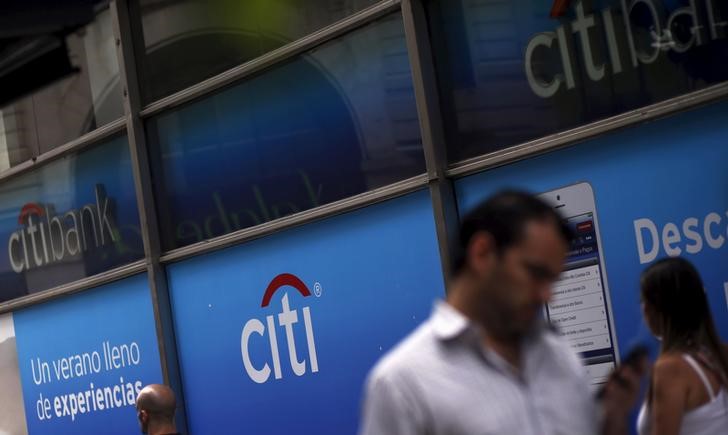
column 637, row 358
column 580, row 306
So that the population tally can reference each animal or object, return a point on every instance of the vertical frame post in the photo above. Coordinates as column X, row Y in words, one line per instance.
column 127, row 30
column 444, row 205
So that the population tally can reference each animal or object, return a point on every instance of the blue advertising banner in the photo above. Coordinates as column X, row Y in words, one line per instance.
column 278, row 334
column 659, row 189
column 84, row 358
column 69, row 219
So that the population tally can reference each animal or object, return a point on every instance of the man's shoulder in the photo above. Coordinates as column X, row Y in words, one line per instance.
column 407, row 357
column 394, row 402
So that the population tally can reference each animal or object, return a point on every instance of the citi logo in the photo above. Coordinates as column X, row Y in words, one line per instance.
column 47, row 237
column 614, row 40
column 287, row 318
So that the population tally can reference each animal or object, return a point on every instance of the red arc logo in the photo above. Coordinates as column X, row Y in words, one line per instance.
column 29, row 209
column 559, row 8
column 284, row 279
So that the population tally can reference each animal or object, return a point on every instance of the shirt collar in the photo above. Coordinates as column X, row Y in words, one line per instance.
column 447, row 322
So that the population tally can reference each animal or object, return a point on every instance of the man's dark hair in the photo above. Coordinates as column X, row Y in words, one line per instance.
column 504, row 217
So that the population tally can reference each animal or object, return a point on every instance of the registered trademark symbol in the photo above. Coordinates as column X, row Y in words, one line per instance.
column 317, row 289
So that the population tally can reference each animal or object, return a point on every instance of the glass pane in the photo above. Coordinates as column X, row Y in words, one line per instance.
column 70, row 107
column 510, row 73
column 188, row 41
column 69, row 219
column 333, row 123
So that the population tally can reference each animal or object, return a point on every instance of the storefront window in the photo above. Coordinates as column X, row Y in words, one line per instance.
column 188, row 41
column 335, row 122
column 69, row 219
column 513, row 71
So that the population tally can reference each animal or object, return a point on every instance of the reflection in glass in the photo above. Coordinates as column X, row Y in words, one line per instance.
column 68, row 219
column 335, row 122
column 188, row 41
column 509, row 72
column 70, row 107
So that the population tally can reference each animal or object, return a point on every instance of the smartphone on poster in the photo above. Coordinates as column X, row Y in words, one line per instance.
column 580, row 306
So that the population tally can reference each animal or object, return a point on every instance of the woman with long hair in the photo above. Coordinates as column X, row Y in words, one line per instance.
column 688, row 391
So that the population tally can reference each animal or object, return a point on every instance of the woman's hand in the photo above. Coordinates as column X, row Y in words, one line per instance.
column 620, row 395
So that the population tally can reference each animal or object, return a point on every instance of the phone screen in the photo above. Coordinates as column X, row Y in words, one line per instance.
column 578, row 306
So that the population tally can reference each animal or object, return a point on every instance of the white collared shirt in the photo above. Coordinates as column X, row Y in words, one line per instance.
column 442, row 379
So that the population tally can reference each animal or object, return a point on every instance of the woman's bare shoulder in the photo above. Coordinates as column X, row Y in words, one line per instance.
column 670, row 367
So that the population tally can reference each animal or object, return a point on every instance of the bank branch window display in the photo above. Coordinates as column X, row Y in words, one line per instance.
column 276, row 215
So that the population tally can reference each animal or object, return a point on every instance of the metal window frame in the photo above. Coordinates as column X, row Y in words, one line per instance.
column 125, row 30
column 442, row 191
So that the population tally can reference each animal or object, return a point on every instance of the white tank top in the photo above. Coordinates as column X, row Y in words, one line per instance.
column 708, row 419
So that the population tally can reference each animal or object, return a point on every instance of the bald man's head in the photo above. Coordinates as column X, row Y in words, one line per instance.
column 155, row 406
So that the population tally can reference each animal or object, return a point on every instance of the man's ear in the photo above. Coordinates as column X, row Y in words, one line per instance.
column 481, row 252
